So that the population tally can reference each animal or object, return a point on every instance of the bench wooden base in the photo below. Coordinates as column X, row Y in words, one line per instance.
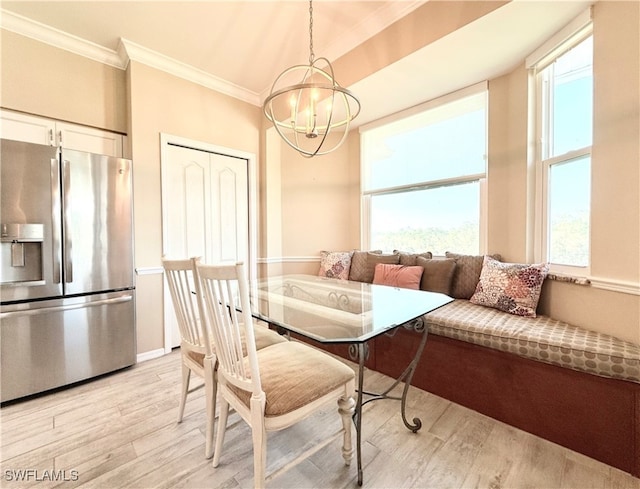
column 596, row 416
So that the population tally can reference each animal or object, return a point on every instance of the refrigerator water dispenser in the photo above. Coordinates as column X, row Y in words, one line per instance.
column 21, row 253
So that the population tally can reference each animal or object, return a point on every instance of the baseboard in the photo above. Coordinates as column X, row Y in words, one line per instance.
column 149, row 355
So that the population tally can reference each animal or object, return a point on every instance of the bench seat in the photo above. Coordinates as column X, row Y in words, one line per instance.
column 541, row 338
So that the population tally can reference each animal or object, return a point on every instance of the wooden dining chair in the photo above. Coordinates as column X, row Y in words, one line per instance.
column 272, row 388
column 196, row 345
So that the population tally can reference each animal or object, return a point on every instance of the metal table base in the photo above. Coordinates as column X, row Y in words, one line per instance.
column 359, row 351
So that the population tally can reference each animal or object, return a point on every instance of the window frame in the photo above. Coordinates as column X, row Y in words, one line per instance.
column 481, row 178
column 572, row 35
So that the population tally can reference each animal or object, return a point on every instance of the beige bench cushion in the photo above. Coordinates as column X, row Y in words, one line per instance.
column 541, row 338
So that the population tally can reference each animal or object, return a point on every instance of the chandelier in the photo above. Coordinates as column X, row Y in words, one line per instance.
column 309, row 109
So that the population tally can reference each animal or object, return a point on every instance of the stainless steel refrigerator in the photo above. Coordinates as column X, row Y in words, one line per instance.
column 67, row 292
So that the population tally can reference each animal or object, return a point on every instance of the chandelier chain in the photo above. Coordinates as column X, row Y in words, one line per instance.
column 311, row 55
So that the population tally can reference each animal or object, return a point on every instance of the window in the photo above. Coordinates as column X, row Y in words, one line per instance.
column 422, row 176
column 564, row 102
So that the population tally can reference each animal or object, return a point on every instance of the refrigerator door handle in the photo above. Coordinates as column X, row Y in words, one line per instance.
column 68, row 272
column 68, row 307
column 55, row 219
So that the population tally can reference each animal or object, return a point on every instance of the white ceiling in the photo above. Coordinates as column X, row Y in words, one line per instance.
column 245, row 44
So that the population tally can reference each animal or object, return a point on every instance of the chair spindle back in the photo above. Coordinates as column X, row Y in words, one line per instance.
column 223, row 291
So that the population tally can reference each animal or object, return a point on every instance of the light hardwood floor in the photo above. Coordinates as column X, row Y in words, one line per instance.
column 120, row 431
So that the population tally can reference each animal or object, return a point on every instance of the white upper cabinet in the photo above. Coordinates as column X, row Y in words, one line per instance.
column 40, row 130
column 72, row 136
column 27, row 128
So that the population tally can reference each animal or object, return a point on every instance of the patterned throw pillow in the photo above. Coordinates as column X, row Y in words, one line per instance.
column 510, row 287
column 467, row 274
column 335, row 264
column 406, row 277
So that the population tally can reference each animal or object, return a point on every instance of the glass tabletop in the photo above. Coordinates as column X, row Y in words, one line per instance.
column 338, row 311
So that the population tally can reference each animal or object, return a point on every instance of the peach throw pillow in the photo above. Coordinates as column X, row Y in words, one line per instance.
column 406, row 277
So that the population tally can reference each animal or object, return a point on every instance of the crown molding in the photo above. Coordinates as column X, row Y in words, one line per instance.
column 127, row 51
column 59, row 39
column 131, row 51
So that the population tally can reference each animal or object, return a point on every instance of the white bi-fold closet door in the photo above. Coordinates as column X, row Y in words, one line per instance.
column 205, row 204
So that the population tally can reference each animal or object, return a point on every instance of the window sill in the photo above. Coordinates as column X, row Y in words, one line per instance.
column 622, row 286
column 559, row 277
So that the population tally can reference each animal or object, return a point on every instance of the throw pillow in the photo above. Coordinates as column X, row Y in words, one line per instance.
column 359, row 263
column 406, row 277
column 408, row 258
column 335, row 264
column 510, row 287
column 437, row 275
column 364, row 263
column 467, row 274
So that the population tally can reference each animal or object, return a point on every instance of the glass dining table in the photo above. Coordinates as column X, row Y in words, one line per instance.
column 332, row 311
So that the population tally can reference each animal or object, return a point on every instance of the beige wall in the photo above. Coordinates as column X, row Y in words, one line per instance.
column 314, row 192
column 141, row 102
column 162, row 103
column 507, row 167
column 615, row 231
column 315, row 218
column 43, row 80
column 270, row 198
column 318, row 204
column 615, row 225
column 615, row 238
column 310, row 205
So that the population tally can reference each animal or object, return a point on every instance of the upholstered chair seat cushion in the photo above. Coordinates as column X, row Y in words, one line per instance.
column 286, row 370
column 196, row 357
column 264, row 337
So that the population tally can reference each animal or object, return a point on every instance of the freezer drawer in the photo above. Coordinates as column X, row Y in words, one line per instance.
column 54, row 343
